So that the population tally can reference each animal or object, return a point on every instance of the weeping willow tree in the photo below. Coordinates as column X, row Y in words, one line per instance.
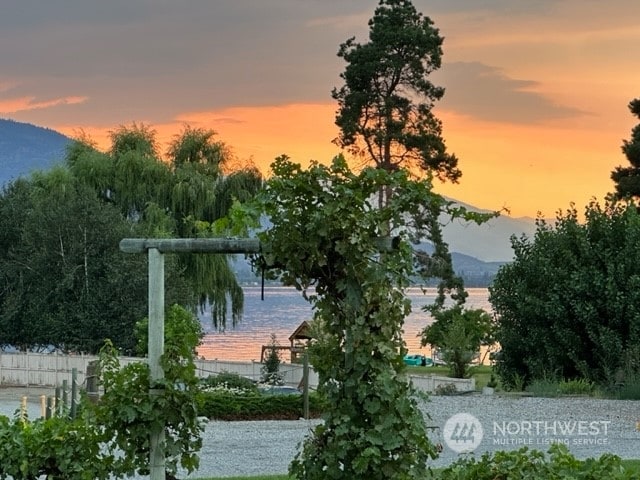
column 186, row 194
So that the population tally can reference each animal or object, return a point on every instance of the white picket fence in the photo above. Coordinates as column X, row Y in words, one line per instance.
column 43, row 369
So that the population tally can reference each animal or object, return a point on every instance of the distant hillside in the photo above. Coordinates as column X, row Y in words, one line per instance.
column 25, row 147
column 489, row 242
column 477, row 250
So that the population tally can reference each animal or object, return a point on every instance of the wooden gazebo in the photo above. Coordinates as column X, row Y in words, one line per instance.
column 299, row 340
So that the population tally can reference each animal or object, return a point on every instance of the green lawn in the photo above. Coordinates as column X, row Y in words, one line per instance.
column 630, row 465
column 481, row 373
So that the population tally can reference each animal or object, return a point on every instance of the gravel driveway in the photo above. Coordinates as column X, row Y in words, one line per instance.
column 589, row 427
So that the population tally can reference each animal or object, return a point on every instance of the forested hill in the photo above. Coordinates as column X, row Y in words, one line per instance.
column 25, row 147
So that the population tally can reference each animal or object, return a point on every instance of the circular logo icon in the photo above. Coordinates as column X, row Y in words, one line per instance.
column 463, row 433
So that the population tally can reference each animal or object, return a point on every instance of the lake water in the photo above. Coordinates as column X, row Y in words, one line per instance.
column 283, row 309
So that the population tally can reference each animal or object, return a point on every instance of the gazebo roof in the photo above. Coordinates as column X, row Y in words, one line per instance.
column 301, row 333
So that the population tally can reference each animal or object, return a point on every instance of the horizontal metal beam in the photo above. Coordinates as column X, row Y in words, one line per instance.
column 194, row 245
column 218, row 245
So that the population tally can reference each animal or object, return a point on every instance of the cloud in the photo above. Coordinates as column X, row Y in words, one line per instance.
column 21, row 104
column 487, row 93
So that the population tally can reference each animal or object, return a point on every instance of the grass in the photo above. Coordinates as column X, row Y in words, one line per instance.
column 632, row 466
column 482, row 373
column 259, row 477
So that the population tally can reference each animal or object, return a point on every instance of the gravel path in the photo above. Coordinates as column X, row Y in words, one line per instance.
column 589, row 427
column 249, row 448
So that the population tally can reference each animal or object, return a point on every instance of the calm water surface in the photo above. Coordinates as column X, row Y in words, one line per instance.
column 283, row 309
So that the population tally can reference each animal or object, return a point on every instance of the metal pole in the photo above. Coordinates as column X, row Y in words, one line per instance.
column 156, row 349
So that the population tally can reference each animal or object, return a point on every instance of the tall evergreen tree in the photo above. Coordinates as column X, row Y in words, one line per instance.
column 627, row 179
column 385, row 117
column 385, row 105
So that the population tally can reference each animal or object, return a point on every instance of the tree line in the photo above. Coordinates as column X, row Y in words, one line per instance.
column 64, row 284
column 568, row 305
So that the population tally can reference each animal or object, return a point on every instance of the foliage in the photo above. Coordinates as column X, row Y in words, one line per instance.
column 271, row 369
column 627, row 179
column 629, row 390
column 61, row 271
column 569, row 304
column 544, row 387
column 62, row 276
column 523, row 464
column 221, row 405
column 129, row 411
column 180, row 325
column 111, row 439
column 184, row 196
column 385, row 105
column 458, row 333
column 227, row 381
column 57, row 448
column 576, row 386
column 324, row 235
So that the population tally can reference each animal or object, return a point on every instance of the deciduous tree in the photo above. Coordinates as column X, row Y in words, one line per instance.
column 459, row 333
column 568, row 305
column 185, row 196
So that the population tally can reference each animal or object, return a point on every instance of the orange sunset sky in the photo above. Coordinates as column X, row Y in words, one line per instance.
column 536, row 91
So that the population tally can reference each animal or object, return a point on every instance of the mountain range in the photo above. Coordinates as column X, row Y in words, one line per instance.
column 25, row 147
column 477, row 250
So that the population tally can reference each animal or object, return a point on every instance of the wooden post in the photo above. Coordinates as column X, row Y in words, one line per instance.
column 56, row 402
column 65, row 396
column 156, row 349
column 23, row 408
column 91, row 379
column 50, row 408
column 156, row 247
column 305, row 385
column 74, row 382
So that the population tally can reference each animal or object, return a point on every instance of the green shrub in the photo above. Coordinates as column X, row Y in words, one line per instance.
column 544, row 387
column 56, row 448
column 630, row 389
column 523, row 464
column 578, row 386
column 271, row 374
column 230, row 383
column 227, row 406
